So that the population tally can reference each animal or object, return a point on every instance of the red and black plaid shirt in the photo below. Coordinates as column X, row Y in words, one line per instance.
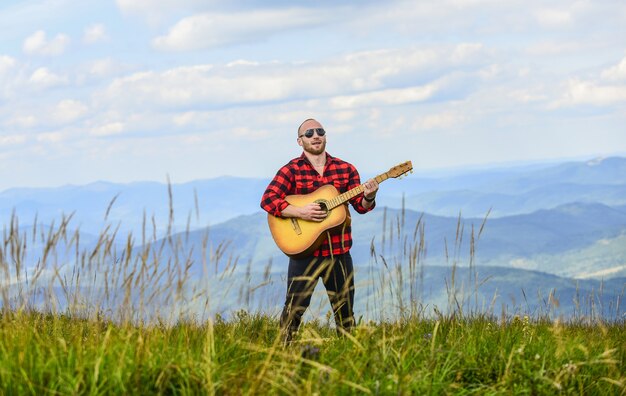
column 299, row 177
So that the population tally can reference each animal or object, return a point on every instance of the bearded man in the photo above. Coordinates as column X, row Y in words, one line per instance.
column 331, row 261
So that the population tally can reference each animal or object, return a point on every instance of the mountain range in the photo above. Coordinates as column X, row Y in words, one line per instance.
column 527, row 230
column 573, row 240
column 503, row 191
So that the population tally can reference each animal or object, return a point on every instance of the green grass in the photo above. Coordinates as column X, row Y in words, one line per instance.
column 50, row 354
column 110, row 320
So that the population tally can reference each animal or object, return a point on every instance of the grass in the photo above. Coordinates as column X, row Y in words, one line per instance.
column 58, row 354
column 89, row 321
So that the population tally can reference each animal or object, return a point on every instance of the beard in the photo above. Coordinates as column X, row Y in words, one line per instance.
column 315, row 150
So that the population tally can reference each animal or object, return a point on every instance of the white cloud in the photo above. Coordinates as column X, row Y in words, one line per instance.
column 616, row 73
column 445, row 119
column 102, row 67
column 7, row 63
column 95, row 33
column 604, row 88
column 11, row 140
column 555, row 47
column 42, row 78
column 38, row 44
column 9, row 76
column 52, row 137
column 344, row 116
column 585, row 92
column 355, row 78
column 385, row 97
column 250, row 133
column 69, row 110
column 113, row 128
column 553, row 17
column 529, row 95
column 463, row 52
column 213, row 29
column 156, row 10
column 22, row 121
column 100, row 70
column 185, row 118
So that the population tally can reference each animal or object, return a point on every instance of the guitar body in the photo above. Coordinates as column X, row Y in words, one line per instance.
column 298, row 238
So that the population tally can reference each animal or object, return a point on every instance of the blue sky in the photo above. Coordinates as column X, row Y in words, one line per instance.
column 132, row 90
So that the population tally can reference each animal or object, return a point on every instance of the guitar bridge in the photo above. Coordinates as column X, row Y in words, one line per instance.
column 296, row 226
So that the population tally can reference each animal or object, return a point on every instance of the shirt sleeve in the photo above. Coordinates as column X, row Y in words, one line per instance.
column 357, row 202
column 273, row 200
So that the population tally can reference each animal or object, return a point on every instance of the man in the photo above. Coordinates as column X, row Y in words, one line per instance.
column 332, row 261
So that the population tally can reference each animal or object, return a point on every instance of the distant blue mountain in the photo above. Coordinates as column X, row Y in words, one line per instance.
column 545, row 235
column 476, row 203
column 198, row 203
column 555, row 218
column 513, row 180
column 513, row 191
column 547, row 225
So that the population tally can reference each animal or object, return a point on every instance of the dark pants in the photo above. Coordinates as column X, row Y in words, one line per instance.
column 302, row 277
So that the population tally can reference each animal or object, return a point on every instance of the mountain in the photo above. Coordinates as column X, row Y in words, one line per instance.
column 199, row 203
column 476, row 203
column 236, row 265
column 557, row 229
column 513, row 191
column 609, row 171
column 381, row 294
column 515, row 180
column 506, row 191
column 536, row 241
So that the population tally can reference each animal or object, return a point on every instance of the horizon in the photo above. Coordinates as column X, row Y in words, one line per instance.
column 134, row 91
column 425, row 173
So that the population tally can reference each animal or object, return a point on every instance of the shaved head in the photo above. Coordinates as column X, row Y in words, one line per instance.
column 307, row 124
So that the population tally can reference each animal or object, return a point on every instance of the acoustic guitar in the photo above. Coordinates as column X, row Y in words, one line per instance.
column 297, row 237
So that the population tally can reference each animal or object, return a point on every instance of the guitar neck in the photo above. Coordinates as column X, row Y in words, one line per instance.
column 348, row 195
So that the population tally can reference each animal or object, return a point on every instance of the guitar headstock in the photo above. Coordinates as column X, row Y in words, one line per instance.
column 400, row 169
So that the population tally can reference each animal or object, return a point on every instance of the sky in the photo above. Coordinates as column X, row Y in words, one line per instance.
column 136, row 90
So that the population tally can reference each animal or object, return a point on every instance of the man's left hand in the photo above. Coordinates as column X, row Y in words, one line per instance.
column 370, row 188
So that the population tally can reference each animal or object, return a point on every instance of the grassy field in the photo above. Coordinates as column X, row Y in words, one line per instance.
column 89, row 327
column 57, row 354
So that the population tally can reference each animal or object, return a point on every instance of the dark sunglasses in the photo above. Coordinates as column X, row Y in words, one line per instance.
column 309, row 132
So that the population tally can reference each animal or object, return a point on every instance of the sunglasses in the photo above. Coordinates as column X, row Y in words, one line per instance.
column 309, row 132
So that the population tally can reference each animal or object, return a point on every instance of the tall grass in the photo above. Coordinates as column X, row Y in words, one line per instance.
column 140, row 318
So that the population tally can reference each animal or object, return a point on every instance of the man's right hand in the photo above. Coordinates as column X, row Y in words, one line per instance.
column 312, row 212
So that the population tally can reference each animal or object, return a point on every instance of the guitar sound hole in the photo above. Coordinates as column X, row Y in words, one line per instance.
column 323, row 206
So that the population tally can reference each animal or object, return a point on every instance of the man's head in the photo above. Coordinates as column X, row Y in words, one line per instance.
column 312, row 137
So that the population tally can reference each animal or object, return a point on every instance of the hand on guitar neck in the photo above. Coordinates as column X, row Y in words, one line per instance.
column 370, row 188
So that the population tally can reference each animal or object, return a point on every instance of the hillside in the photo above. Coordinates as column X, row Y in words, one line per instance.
column 545, row 236
column 506, row 191
column 549, row 225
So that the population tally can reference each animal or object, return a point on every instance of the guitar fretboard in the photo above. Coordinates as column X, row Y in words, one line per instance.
column 348, row 195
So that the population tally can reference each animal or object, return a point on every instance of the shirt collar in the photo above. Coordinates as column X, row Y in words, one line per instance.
column 304, row 160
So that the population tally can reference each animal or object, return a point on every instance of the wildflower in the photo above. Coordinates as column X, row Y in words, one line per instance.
column 310, row 352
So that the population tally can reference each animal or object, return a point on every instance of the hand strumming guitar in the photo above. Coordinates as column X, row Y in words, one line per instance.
column 311, row 212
